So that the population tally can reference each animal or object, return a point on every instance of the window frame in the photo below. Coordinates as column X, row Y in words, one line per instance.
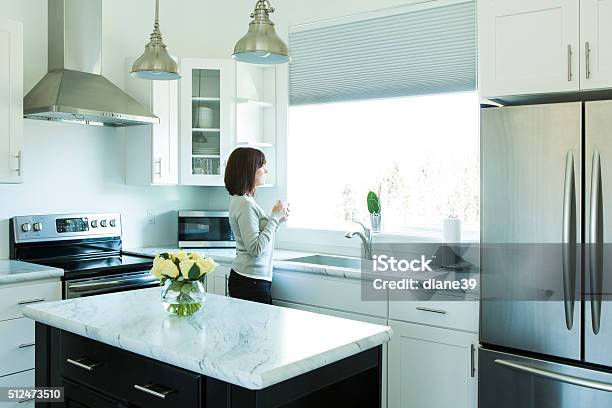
column 309, row 238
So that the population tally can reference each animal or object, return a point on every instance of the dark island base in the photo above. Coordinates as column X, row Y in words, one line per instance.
column 96, row 375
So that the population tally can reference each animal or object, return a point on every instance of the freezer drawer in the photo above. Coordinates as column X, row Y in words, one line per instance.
column 511, row 381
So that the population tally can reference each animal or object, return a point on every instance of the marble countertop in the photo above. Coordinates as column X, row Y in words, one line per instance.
column 16, row 271
column 244, row 343
column 227, row 255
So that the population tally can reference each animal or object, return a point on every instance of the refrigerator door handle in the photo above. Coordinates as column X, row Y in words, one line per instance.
column 595, row 260
column 569, row 240
column 569, row 379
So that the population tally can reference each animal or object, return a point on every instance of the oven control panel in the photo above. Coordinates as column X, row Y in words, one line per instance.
column 65, row 226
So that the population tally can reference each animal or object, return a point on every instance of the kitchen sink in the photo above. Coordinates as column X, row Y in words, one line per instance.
column 328, row 260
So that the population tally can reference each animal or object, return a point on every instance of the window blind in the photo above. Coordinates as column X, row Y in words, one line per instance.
column 420, row 52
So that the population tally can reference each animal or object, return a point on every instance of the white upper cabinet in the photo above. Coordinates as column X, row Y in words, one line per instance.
column 11, row 101
column 596, row 41
column 528, row 46
column 207, row 119
column 152, row 150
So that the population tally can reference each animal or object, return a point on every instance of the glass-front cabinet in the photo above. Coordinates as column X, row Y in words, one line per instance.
column 207, row 119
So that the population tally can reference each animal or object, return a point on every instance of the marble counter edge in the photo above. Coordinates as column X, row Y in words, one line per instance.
column 249, row 381
column 30, row 272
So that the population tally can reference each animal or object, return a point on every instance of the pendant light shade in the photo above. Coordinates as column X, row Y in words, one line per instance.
column 155, row 63
column 261, row 44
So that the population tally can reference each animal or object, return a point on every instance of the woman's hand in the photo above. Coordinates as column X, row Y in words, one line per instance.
column 280, row 211
column 287, row 211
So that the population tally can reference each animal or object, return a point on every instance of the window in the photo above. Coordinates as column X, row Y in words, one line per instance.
column 420, row 153
column 387, row 102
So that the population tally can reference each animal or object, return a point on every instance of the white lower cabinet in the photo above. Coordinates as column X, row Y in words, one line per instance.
column 431, row 367
column 17, row 333
column 22, row 379
column 217, row 282
column 17, row 348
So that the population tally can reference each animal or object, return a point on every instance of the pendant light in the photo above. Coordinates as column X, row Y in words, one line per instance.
column 155, row 63
column 261, row 44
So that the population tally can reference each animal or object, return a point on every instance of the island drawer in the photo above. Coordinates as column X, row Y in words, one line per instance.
column 14, row 298
column 17, row 345
column 127, row 376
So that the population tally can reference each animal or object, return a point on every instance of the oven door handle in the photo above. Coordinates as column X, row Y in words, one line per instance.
column 81, row 287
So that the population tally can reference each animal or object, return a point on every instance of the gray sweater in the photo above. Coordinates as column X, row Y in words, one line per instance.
column 254, row 232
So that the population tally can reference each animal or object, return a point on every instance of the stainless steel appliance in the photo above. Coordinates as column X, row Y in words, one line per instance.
column 86, row 246
column 74, row 90
column 205, row 229
column 545, row 193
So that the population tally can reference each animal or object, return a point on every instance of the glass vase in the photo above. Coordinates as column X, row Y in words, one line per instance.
column 183, row 298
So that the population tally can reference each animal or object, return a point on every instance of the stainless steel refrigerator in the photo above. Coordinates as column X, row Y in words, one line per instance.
column 546, row 222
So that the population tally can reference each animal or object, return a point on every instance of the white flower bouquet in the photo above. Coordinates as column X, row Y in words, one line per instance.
column 183, row 276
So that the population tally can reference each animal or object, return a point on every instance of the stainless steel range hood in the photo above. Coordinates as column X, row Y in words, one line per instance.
column 74, row 89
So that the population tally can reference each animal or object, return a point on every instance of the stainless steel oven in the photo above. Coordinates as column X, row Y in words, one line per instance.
column 205, row 229
column 88, row 247
column 109, row 284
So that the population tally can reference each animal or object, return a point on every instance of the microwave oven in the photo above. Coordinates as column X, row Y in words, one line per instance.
column 205, row 229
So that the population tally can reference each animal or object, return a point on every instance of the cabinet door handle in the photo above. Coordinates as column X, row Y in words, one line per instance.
column 226, row 285
column 159, row 394
column 27, row 302
column 84, row 363
column 472, row 361
column 569, row 62
column 25, row 345
column 159, row 167
column 426, row 309
column 19, row 157
column 587, row 54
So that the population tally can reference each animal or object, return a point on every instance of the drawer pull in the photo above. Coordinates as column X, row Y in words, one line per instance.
column 27, row 302
column 160, row 393
column 84, row 363
column 25, row 400
column 24, row 345
column 426, row 309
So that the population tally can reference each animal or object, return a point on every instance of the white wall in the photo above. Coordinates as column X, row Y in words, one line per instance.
column 69, row 168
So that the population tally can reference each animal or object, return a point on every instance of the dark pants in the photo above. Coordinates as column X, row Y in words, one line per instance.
column 256, row 290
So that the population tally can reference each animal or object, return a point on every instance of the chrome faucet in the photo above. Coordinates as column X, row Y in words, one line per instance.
column 366, row 238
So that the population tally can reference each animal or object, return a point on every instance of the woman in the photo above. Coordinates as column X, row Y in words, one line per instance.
column 251, row 274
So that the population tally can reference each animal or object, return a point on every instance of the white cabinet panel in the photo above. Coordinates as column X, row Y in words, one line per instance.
column 220, row 277
column 596, row 44
column 14, row 298
column 528, row 46
column 11, row 101
column 431, row 367
column 22, row 379
column 152, row 150
column 17, row 346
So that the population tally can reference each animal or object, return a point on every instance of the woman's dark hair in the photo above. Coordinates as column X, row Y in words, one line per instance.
column 240, row 171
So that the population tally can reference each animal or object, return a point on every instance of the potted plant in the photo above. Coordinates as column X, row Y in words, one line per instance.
column 183, row 277
column 374, row 209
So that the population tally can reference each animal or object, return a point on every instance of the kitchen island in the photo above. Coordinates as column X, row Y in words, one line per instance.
column 123, row 349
